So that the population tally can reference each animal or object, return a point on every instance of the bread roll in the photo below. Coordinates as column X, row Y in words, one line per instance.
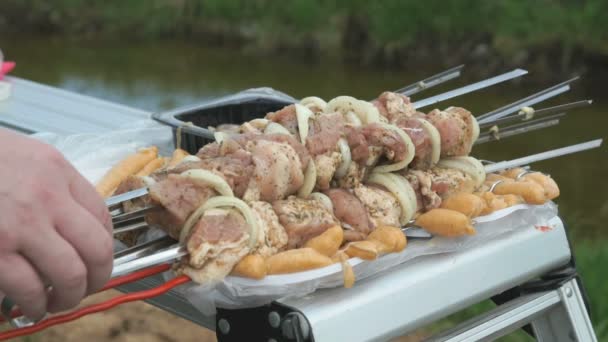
column 466, row 203
column 251, row 266
column 152, row 166
column 296, row 260
column 125, row 168
column 388, row 239
column 365, row 250
column 328, row 242
column 445, row 222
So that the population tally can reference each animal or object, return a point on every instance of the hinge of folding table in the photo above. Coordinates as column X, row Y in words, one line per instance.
column 269, row 323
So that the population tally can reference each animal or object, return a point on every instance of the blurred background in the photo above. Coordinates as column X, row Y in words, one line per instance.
column 159, row 54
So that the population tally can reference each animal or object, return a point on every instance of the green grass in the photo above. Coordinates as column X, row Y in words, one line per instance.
column 592, row 258
column 507, row 25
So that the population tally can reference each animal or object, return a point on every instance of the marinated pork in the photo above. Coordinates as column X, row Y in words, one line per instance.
column 272, row 237
column 455, row 128
column 351, row 212
column 394, row 106
column 178, row 197
column 303, row 219
column 216, row 244
column 286, row 117
column 382, row 207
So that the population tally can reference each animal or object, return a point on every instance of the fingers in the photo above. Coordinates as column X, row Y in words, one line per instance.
column 85, row 195
column 21, row 284
column 60, row 265
column 90, row 240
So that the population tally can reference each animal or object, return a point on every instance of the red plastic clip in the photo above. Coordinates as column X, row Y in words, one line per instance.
column 6, row 68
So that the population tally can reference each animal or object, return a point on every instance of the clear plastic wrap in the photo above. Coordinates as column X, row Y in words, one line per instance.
column 93, row 155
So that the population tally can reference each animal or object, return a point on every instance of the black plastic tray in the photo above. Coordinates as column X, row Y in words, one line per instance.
column 232, row 109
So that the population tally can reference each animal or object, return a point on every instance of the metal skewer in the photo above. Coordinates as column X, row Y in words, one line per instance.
column 137, row 224
column 470, row 88
column 528, row 101
column 414, row 232
column 430, row 82
column 539, row 112
column 160, row 257
column 118, row 199
column 516, row 130
column 125, row 217
column 543, row 156
column 520, row 128
column 142, row 250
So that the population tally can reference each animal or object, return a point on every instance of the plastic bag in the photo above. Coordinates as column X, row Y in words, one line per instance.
column 94, row 154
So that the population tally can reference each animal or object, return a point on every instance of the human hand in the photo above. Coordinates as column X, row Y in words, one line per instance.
column 54, row 229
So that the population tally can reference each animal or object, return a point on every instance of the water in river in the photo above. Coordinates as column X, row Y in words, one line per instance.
column 162, row 75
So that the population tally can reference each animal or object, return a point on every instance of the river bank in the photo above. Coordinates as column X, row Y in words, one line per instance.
column 552, row 39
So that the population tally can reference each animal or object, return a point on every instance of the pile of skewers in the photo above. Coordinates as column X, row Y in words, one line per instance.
column 317, row 183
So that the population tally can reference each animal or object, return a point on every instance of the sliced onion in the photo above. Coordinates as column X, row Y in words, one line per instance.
column 220, row 136
column 365, row 111
column 275, row 128
column 148, row 181
column 346, row 159
column 303, row 114
column 218, row 183
column 474, row 130
column 374, row 156
column 346, row 226
column 254, row 126
column 259, row 123
column 353, row 119
column 435, row 139
column 372, row 114
column 314, row 102
column 310, row 180
column 398, row 191
column 409, row 146
column 411, row 194
column 323, row 199
column 219, row 202
column 190, row 158
column 468, row 165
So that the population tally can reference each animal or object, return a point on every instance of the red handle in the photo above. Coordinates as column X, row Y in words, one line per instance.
column 68, row 317
column 6, row 67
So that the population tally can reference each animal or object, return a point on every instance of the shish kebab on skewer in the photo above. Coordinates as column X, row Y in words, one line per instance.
column 502, row 111
column 176, row 252
column 397, row 109
column 322, row 143
column 364, row 116
column 531, row 99
column 294, row 157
